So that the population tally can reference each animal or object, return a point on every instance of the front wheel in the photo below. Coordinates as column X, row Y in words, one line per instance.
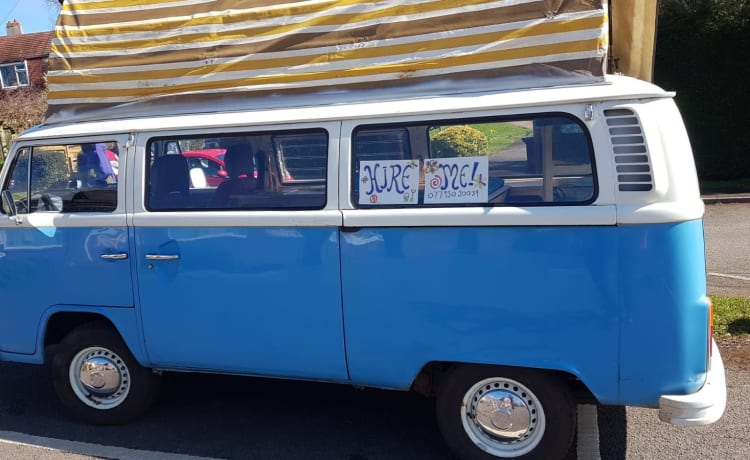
column 488, row 412
column 97, row 379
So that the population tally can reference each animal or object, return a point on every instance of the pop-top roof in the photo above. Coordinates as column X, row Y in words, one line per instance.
column 115, row 57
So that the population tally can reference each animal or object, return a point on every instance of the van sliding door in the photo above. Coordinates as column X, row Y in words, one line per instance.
column 239, row 271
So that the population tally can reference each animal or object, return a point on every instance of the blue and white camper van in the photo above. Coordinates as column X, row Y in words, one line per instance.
column 511, row 253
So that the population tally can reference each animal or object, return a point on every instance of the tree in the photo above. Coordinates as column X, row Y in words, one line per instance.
column 701, row 53
column 704, row 17
column 22, row 108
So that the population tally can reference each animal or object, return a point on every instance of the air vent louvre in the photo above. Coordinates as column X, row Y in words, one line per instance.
column 630, row 151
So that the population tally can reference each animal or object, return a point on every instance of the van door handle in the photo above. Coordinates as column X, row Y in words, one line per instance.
column 119, row 256
column 162, row 256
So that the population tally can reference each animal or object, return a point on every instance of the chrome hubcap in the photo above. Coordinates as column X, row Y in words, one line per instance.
column 99, row 377
column 503, row 417
column 99, row 374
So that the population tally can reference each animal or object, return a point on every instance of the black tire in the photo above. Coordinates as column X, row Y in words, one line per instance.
column 547, row 407
column 134, row 387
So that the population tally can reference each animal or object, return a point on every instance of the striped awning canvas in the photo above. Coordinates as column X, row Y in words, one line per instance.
column 109, row 53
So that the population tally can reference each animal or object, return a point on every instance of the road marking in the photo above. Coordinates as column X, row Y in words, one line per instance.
column 587, row 443
column 90, row 450
column 734, row 277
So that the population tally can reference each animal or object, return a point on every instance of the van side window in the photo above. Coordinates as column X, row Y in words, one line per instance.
column 65, row 178
column 382, row 144
column 302, row 157
column 238, row 171
column 535, row 160
column 18, row 182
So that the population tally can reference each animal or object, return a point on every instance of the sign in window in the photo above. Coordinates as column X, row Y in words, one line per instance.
column 526, row 161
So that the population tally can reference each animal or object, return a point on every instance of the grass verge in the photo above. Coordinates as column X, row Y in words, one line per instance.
column 500, row 136
column 731, row 316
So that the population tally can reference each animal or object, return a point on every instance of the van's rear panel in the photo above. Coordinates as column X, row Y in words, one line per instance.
column 663, row 310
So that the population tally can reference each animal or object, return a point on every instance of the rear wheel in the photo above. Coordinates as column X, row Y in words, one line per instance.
column 487, row 412
column 97, row 379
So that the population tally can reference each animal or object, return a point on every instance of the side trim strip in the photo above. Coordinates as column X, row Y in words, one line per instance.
column 324, row 218
column 481, row 216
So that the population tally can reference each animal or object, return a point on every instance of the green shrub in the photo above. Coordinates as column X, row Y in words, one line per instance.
column 458, row 141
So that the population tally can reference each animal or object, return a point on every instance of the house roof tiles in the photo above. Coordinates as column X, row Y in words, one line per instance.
column 17, row 48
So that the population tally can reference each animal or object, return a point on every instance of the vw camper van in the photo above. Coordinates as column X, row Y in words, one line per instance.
column 509, row 253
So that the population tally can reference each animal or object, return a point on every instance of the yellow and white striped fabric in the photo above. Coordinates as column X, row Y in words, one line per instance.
column 113, row 52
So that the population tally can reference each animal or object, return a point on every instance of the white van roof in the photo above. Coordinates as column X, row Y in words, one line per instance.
column 318, row 108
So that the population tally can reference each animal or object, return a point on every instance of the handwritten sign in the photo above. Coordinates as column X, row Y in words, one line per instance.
column 456, row 180
column 389, row 182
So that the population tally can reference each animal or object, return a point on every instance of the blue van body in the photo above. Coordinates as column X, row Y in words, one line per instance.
column 507, row 310
column 510, row 312
column 570, row 256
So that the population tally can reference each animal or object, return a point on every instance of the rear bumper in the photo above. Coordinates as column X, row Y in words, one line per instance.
column 702, row 407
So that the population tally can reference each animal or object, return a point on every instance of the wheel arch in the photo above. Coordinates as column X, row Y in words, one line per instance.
column 431, row 375
column 62, row 319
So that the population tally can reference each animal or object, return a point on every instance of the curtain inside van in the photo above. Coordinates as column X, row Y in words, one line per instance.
column 153, row 56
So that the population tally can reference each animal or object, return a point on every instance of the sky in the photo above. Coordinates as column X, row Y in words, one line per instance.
column 34, row 15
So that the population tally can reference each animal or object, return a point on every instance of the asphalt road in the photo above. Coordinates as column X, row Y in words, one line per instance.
column 727, row 232
column 244, row 418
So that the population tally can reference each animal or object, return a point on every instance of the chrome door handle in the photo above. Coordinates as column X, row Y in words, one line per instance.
column 162, row 257
column 120, row 256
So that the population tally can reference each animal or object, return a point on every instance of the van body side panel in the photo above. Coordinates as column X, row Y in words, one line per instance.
column 35, row 358
column 541, row 297
column 664, row 310
column 125, row 321
column 49, row 263
column 254, row 300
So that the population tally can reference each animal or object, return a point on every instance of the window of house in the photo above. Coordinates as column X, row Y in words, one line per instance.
column 65, row 178
column 238, row 171
column 526, row 161
column 14, row 75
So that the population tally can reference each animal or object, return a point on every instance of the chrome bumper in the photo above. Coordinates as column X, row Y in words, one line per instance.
column 702, row 407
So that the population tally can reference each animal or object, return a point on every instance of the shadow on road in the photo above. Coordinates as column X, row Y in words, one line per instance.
column 236, row 417
column 248, row 418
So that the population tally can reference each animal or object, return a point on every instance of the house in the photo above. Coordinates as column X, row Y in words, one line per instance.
column 23, row 68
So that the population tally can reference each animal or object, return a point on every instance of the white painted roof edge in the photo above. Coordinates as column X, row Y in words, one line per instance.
column 614, row 88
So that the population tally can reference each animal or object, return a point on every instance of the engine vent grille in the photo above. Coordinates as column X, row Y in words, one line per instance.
column 631, row 154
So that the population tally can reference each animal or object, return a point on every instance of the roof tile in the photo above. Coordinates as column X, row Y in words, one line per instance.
column 16, row 48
